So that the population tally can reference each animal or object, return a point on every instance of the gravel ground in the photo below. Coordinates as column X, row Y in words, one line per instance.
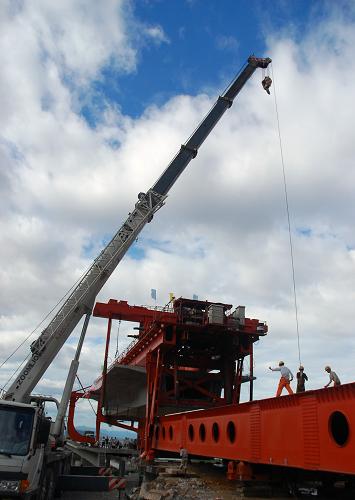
column 202, row 482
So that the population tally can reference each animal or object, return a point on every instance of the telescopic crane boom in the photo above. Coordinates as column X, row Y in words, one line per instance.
column 81, row 300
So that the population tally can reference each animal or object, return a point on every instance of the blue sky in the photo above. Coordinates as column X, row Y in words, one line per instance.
column 206, row 42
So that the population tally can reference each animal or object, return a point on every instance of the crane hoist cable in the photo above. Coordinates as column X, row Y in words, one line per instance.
column 288, row 219
column 118, row 332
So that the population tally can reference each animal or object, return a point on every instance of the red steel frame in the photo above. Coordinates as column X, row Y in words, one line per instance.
column 192, row 384
column 135, row 355
column 100, row 417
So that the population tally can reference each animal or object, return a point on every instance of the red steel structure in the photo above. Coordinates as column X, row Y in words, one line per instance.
column 192, row 355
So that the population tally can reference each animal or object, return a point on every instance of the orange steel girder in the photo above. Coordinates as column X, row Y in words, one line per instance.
column 314, row 430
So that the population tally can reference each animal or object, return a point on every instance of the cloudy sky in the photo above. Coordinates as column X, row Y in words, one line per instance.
column 96, row 98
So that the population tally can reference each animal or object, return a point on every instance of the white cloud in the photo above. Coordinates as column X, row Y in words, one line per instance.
column 157, row 34
column 227, row 42
column 64, row 189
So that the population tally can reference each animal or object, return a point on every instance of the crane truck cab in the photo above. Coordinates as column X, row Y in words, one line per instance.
column 24, row 443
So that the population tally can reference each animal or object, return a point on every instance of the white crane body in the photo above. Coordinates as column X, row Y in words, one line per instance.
column 27, row 468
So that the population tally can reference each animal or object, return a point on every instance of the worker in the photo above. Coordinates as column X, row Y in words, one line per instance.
column 266, row 83
column 333, row 377
column 301, row 378
column 286, row 378
column 184, row 459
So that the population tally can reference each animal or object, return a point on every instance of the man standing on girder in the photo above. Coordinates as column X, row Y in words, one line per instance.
column 333, row 377
column 286, row 378
column 301, row 379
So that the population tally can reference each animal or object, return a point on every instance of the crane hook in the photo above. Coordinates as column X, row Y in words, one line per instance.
column 266, row 83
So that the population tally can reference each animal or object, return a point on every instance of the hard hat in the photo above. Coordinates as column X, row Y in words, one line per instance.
column 301, row 367
column 281, row 363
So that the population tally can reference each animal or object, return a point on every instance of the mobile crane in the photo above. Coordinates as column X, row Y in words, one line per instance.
column 31, row 447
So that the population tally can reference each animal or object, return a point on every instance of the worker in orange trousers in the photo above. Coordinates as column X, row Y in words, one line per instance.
column 286, row 378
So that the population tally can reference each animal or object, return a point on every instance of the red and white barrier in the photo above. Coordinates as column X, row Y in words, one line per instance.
column 116, row 483
column 105, row 471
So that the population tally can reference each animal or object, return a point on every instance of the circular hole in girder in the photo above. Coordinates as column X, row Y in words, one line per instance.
column 171, row 433
column 215, row 432
column 202, row 432
column 163, row 432
column 191, row 432
column 231, row 434
column 339, row 428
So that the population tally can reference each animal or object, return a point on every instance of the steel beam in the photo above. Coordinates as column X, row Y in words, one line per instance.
column 314, row 430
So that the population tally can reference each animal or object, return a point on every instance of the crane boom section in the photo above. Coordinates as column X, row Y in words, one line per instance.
column 82, row 298
column 189, row 150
